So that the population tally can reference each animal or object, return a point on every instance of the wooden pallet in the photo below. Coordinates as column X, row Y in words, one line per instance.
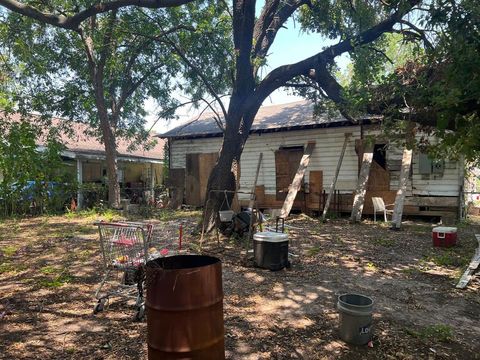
column 472, row 267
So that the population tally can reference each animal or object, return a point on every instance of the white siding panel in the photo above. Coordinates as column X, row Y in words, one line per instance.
column 179, row 148
column 447, row 184
column 325, row 156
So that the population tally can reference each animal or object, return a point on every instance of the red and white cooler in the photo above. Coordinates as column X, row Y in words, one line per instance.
column 444, row 236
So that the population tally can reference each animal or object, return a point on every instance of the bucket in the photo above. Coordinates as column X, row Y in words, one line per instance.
column 355, row 318
column 185, row 308
column 226, row 215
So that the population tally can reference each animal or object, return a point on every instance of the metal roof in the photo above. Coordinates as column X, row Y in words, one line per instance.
column 291, row 116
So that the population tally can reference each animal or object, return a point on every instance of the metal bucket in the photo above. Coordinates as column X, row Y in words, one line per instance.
column 185, row 308
column 355, row 318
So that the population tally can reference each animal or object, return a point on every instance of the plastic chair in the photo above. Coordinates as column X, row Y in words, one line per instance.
column 379, row 206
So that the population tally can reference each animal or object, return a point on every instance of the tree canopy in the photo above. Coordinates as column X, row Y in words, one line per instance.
column 102, row 69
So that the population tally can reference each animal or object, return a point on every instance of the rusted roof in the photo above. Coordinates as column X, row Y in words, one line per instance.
column 81, row 143
column 291, row 116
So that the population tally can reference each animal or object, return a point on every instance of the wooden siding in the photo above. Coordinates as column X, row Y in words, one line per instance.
column 329, row 143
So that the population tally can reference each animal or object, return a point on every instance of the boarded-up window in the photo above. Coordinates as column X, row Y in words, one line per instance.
column 287, row 161
column 198, row 169
column 427, row 165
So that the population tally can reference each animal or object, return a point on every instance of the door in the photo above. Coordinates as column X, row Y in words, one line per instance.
column 287, row 161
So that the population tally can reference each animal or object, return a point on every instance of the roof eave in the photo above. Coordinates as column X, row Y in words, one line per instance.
column 345, row 123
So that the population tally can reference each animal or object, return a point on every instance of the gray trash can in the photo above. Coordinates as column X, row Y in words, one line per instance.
column 355, row 318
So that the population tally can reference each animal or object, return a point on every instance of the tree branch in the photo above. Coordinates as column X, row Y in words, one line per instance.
column 199, row 74
column 127, row 92
column 243, row 25
column 419, row 32
column 279, row 76
column 270, row 22
column 73, row 22
column 378, row 51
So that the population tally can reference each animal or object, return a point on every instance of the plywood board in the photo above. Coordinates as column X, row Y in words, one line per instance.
column 359, row 199
column 176, row 178
column 402, row 188
column 472, row 267
column 315, row 187
column 432, row 201
column 205, row 166
column 379, row 178
column 286, row 164
column 192, row 180
column 331, row 190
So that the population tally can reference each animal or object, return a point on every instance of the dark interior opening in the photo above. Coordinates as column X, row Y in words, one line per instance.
column 380, row 155
column 292, row 148
column 182, row 262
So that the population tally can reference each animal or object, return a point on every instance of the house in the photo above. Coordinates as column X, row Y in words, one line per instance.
column 281, row 133
column 84, row 155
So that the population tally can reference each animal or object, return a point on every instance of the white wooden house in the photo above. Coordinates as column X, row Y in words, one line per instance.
column 281, row 132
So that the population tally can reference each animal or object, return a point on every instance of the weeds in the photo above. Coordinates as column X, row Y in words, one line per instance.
column 448, row 258
column 55, row 282
column 58, row 277
column 313, row 251
column 419, row 228
column 439, row 333
column 49, row 270
column 9, row 267
column 410, row 271
column 9, row 250
column 385, row 242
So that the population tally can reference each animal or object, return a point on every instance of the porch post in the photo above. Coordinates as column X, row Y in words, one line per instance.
column 152, row 181
column 79, row 182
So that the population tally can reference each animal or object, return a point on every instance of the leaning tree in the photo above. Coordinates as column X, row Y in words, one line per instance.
column 357, row 26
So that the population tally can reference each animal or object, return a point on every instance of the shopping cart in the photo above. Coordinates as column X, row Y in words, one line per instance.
column 125, row 250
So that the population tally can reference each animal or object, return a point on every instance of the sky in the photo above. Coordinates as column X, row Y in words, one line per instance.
column 290, row 46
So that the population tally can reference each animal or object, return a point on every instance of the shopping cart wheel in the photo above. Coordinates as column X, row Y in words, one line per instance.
column 99, row 306
column 140, row 314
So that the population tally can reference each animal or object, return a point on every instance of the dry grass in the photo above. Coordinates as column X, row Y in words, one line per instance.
column 49, row 268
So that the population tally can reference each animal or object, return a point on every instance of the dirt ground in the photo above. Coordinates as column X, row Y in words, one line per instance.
column 50, row 267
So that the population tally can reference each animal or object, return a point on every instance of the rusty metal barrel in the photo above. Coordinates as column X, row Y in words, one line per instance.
column 185, row 308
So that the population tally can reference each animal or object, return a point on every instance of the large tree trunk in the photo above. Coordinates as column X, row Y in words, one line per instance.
column 223, row 176
column 111, row 160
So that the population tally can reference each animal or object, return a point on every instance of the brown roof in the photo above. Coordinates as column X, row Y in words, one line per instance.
column 81, row 143
column 283, row 117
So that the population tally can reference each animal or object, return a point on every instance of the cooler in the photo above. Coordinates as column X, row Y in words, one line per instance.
column 270, row 250
column 444, row 236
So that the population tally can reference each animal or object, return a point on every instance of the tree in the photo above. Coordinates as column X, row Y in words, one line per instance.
column 355, row 25
column 29, row 174
column 440, row 87
column 92, row 66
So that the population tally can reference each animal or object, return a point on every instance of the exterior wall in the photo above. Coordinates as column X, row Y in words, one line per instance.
column 132, row 172
column 329, row 142
column 446, row 184
column 325, row 155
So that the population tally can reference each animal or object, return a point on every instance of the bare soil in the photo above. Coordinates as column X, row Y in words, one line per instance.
column 51, row 266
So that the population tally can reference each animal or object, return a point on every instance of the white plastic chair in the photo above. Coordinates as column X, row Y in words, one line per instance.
column 379, row 206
